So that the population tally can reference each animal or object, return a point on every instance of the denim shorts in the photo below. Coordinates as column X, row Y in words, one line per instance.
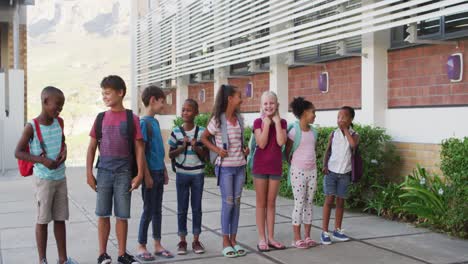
column 336, row 184
column 267, row 176
column 113, row 188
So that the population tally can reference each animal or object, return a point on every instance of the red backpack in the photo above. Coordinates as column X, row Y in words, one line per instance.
column 26, row 167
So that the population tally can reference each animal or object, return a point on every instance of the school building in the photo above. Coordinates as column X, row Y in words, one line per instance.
column 400, row 63
column 13, row 74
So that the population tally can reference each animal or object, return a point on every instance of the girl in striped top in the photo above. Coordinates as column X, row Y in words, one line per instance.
column 230, row 163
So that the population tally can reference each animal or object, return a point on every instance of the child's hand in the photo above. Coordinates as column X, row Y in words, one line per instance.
column 193, row 143
column 342, row 126
column 277, row 118
column 186, row 141
column 266, row 121
column 166, row 178
column 149, row 182
column 62, row 156
column 135, row 183
column 91, row 180
column 222, row 152
column 246, row 151
column 48, row 163
column 325, row 170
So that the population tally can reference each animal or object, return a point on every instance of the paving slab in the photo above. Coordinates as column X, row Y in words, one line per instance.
column 432, row 247
column 373, row 227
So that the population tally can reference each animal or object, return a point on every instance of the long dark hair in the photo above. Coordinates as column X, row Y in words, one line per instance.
column 221, row 101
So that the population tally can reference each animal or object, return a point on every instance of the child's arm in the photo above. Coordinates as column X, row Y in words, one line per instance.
column 327, row 155
column 174, row 152
column 166, row 177
column 21, row 154
column 280, row 131
column 205, row 140
column 140, row 159
column 91, row 180
column 352, row 139
column 261, row 135
column 147, row 174
column 201, row 151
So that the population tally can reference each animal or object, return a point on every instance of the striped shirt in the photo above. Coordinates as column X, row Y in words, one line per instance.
column 192, row 164
column 52, row 137
column 235, row 157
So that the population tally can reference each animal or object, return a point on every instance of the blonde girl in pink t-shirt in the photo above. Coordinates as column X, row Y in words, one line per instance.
column 303, row 170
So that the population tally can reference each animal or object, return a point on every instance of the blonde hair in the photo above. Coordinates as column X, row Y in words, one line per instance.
column 265, row 95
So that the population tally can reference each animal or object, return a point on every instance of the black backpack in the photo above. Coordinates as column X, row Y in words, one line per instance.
column 174, row 164
column 130, row 133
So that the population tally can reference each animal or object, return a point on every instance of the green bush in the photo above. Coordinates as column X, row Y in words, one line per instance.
column 424, row 197
column 454, row 165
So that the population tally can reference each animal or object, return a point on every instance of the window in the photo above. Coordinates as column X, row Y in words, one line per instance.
column 442, row 28
column 327, row 51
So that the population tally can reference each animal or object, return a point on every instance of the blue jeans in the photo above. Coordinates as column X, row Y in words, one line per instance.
column 336, row 184
column 189, row 187
column 152, row 206
column 231, row 182
column 113, row 187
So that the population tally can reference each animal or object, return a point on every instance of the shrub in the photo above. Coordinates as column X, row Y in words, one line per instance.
column 454, row 165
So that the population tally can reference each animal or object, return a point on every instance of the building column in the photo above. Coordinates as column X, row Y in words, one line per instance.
column 279, row 81
column 181, row 93
column 220, row 77
column 133, row 56
column 374, row 78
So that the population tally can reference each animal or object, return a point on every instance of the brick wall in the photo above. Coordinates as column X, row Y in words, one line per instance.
column 193, row 92
column 412, row 154
column 417, row 77
column 261, row 83
column 170, row 109
column 344, row 83
column 22, row 58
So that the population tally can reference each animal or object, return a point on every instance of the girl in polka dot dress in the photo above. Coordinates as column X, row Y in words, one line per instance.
column 300, row 148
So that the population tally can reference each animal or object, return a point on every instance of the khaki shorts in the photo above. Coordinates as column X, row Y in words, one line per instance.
column 52, row 200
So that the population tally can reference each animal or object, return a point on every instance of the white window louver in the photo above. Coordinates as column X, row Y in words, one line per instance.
column 167, row 36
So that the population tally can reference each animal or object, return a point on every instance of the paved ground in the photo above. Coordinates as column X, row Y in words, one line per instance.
column 374, row 240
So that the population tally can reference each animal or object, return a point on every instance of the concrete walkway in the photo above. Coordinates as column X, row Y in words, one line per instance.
column 374, row 240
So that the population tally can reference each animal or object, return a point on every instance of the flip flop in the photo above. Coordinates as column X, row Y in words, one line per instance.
column 310, row 242
column 276, row 245
column 300, row 244
column 238, row 248
column 145, row 256
column 165, row 254
column 262, row 246
column 229, row 252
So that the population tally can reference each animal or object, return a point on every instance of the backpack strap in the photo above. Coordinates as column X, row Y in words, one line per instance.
column 98, row 133
column 60, row 121
column 98, row 127
column 224, row 133
column 39, row 136
column 181, row 128
column 131, row 142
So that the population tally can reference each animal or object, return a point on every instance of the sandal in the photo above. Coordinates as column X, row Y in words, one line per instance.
column 310, row 242
column 240, row 251
column 300, row 244
column 145, row 256
column 229, row 252
column 262, row 246
column 165, row 254
column 276, row 245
